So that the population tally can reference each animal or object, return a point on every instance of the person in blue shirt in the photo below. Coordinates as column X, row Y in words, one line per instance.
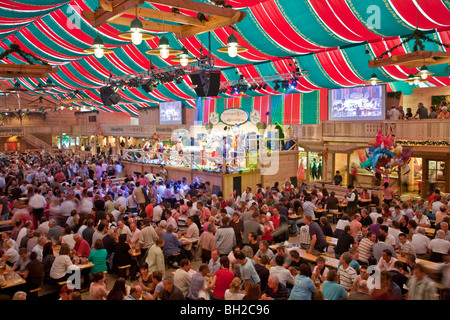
column 332, row 290
column 303, row 285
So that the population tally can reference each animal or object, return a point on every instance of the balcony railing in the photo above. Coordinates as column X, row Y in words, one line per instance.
column 346, row 131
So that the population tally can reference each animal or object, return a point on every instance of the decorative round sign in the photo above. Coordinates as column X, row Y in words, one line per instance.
column 214, row 118
column 255, row 116
column 234, row 116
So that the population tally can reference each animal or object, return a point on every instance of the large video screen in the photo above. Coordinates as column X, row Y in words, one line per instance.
column 170, row 112
column 357, row 103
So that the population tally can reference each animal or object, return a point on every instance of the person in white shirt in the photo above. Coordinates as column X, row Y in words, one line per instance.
column 394, row 114
column 283, row 274
column 435, row 207
column 390, row 239
column 421, row 219
column 247, row 195
column 158, row 212
column 421, row 243
column 374, row 216
column 24, row 231
column 121, row 200
column 386, row 262
column 123, row 229
column 438, row 247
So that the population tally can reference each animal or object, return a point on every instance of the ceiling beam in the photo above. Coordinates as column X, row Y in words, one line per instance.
column 148, row 25
column 25, row 70
column 102, row 16
column 215, row 22
column 167, row 16
column 413, row 60
column 204, row 8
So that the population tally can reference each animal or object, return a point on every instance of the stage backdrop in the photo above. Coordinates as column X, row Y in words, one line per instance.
column 296, row 108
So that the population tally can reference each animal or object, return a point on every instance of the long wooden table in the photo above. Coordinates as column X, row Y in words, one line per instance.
column 11, row 280
column 304, row 254
column 332, row 241
column 430, row 266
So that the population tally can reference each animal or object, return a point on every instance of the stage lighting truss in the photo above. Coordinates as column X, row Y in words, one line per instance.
column 164, row 75
column 286, row 80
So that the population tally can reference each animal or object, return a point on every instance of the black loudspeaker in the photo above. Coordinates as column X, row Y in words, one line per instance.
column 206, row 82
column 108, row 96
column 115, row 98
column 148, row 86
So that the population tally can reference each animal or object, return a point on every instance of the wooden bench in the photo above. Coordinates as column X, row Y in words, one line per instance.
column 123, row 271
column 5, row 223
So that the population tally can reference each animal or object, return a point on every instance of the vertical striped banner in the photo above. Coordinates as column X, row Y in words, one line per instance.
column 292, row 110
column 310, row 107
column 262, row 104
column 323, row 104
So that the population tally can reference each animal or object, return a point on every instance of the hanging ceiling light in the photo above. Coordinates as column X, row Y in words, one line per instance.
column 232, row 47
column 184, row 58
column 164, row 50
column 16, row 87
column 136, row 33
column 374, row 79
column 98, row 48
column 424, row 73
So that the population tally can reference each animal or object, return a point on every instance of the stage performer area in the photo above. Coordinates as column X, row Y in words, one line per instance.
column 277, row 161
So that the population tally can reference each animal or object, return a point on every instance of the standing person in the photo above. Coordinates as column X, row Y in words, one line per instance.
column 421, row 112
column 388, row 194
column 225, row 237
column 247, row 269
column 221, row 280
column 352, row 200
column 37, row 203
column 318, row 240
column 421, row 287
column 97, row 288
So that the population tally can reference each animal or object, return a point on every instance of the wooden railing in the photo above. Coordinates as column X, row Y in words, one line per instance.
column 345, row 131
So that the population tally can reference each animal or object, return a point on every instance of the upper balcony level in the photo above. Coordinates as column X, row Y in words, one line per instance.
column 365, row 131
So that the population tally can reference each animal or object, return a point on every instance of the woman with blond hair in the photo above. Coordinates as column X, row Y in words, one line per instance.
column 267, row 227
column 234, row 293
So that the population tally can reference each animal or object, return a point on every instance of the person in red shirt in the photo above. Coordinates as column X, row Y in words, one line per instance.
column 275, row 218
column 437, row 192
column 222, row 279
column 82, row 247
column 60, row 177
column 149, row 209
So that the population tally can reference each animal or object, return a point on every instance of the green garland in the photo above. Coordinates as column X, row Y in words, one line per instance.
column 424, row 143
column 419, row 37
column 16, row 48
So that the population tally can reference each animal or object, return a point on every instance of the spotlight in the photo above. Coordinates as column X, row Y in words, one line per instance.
column 233, row 90
column 285, row 84
column 277, row 86
column 265, row 86
column 259, row 87
column 293, row 83
column 149, row 85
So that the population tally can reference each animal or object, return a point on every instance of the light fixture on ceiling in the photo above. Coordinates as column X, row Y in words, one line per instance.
column 164, row 50
column 232, row 47
column 98, row 48
column 184, row 58
column 16, row 88
column 424, row 73
column 136, row 33
column 374, row 79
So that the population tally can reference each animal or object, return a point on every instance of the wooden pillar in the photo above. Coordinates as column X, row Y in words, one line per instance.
column 425, row 185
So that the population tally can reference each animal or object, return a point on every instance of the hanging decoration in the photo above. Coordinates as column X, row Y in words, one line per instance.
column 385, row 154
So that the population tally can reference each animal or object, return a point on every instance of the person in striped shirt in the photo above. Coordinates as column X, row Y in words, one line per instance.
column 421, row 287
column 404, row 246
column 365, row 247
column 346, row 274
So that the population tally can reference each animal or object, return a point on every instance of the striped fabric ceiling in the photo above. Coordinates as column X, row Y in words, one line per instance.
column 331, row 39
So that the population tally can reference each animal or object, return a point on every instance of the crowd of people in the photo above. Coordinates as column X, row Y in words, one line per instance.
column 434, row 112
column 66, row 210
